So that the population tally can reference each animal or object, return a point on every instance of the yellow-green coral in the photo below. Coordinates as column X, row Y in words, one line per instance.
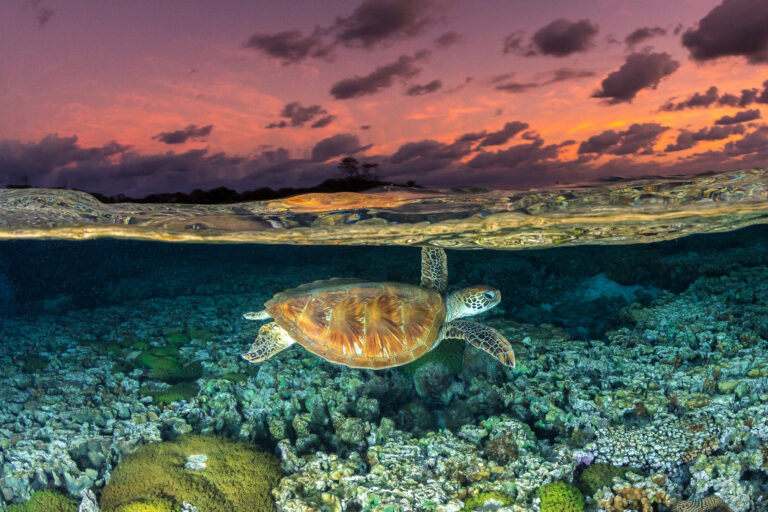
column 46, row 501
column 484, row 500
column 238, row 477
column 560, row 497
column 155, row 506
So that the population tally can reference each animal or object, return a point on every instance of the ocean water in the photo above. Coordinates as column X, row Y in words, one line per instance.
column 637, row 312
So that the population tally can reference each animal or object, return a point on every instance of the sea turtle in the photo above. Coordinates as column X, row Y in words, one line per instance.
column 364, row 324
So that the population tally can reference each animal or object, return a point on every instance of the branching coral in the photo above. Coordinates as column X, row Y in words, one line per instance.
column 634, row 498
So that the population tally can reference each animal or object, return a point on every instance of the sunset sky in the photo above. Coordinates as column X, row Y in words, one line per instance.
column 145, row 96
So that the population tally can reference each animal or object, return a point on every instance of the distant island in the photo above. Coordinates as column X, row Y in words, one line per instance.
column 354, row 177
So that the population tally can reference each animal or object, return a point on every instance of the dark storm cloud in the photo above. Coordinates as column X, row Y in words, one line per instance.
column 500, row 78
column 277, row 155
column 374, row 23
column 516, row 156
column 562, row 37
column 504, row 135
column 290, row 47
column 763, row 98
column 643, row 34
column 754, row 142
column 639, row 71
column 192, row 131
column 336, row 145
column 43, row 14
column 696, row 100
column 38, row 160
column 420, row 90
column 379, row 21
column 638, row 138
column 472, row 136
column 448, row 39
column 513, row 43
column 747, row 97
column 562, row 74
column 558, row 75
column 381, row 78
column 517, row 87
column 430, row 149
column 298, row 116
column 740, row 117
column 60, row 161
column 733, row 28
column 686, row 139
column 323, row 121
column 712, row 97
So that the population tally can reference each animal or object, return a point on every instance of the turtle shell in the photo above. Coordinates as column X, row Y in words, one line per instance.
column 361, row 324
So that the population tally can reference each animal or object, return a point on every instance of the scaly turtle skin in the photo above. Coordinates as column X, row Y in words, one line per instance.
column 378, row 325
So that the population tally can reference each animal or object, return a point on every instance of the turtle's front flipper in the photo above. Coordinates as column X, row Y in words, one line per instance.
column 434, row 269
column 257, row 315
column 481, row 336
column 271, row 339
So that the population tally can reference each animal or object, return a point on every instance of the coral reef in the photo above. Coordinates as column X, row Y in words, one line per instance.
column 676, row 387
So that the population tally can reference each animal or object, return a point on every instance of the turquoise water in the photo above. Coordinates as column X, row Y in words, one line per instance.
column 647, row 362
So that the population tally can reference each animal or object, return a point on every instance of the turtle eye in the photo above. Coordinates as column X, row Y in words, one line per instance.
column 489, row 295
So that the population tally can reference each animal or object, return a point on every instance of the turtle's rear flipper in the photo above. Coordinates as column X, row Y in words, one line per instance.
column 271, row 339
column 257, row 315
column 483, row 337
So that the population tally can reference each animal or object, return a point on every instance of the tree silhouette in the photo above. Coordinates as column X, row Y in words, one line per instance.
column 350, row 168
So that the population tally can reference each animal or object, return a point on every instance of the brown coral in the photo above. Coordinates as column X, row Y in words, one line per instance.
column 501, row 449
column 634, row 498
column 709, row 504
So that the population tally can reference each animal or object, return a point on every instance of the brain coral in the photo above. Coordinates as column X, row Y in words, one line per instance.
column 237, row 477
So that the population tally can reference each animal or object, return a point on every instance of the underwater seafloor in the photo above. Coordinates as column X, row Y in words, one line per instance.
column 641, row 383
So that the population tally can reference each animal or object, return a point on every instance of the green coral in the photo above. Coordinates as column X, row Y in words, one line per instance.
column 164, row 364
column 484, row 499
column 175, row 393
column 201, row 334
column 178, row 339
column 560, row 497
column 238, row 477
column 449, row 353
column 234, row 377
column 600, row 475
column 46, row 501
column 33, row 363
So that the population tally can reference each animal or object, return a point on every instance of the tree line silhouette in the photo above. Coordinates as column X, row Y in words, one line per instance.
column 353, row 176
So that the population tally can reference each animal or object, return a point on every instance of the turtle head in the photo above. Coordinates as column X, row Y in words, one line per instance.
column 471, row 301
